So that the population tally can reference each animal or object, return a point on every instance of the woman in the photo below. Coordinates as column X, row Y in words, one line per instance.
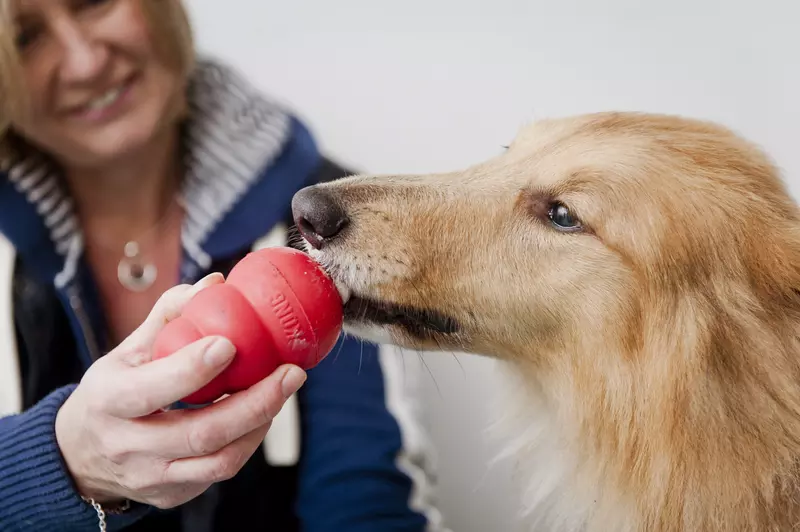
column 130, row 167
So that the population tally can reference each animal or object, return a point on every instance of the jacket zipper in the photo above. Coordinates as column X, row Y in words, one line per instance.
column 83, row 322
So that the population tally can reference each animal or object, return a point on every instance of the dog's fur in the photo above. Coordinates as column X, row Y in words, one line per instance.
column 655, row 351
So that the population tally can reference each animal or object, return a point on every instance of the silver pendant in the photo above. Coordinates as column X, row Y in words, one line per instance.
column 132, row 273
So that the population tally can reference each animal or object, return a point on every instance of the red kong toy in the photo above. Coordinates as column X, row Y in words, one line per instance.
column 277, row 306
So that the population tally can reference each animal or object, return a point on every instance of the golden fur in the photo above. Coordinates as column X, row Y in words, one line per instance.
column 655, row 351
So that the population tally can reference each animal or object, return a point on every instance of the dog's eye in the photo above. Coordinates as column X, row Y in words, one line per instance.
column 561, row 217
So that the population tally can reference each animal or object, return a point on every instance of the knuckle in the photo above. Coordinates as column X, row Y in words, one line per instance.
column 168, row 302
column 138, row 355
column 202, row 440
column 257, row 413
column 130, row 403
column 174, row 292
column 262, row 410
column 225, row 468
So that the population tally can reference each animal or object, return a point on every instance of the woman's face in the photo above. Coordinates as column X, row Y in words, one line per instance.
column 97, row 87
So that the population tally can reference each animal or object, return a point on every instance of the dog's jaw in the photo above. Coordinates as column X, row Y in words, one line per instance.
column 386, row 322
column 371, row 333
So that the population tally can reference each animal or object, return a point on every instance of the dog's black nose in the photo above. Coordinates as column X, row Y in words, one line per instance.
column 318, row 215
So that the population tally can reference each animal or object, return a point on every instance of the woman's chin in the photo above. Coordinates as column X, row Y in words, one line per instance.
column 110, row 145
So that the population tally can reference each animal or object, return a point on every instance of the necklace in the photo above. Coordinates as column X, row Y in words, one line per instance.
column 134, row 272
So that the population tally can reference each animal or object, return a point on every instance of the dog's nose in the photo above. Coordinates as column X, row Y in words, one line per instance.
column 318, row 215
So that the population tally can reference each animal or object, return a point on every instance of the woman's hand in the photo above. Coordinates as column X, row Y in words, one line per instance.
column 118, row 443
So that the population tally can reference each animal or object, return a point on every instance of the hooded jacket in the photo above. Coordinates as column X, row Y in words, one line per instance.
column 346, row 453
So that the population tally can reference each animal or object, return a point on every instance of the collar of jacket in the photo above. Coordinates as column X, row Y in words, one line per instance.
column 245, row 158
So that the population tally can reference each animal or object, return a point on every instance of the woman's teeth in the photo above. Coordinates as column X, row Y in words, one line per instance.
column 108, row 98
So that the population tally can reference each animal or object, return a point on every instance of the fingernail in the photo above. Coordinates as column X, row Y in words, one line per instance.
column 220, row 351
column 292, row 381
column 208, row 278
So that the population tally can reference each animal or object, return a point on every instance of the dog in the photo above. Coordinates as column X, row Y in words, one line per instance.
column 637, row 274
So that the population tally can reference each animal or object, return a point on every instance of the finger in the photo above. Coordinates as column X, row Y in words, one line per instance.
column 201, row 432
column 169, row 306
column 218, row 466
column 142, row 390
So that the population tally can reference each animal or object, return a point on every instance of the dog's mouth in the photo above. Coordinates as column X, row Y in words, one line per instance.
column 422, row 323
column 358, row 309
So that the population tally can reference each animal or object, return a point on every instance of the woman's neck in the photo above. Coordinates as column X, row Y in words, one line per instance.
column 123, row 200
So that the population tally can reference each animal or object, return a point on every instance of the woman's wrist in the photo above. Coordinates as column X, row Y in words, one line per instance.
column 85, row 488
column 111, row 506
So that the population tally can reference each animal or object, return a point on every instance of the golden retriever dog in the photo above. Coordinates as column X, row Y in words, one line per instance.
column 638, row 275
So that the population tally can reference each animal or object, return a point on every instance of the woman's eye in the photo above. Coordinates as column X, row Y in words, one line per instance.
column 79, row 5
column 25, row 37
column 561, row 217
column 89, row 3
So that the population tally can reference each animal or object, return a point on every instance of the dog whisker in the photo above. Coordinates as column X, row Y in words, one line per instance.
column 339, row 350
column 460, row 365
column 435, row 382
column 361, row 357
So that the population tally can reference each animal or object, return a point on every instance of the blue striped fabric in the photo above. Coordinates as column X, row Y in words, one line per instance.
column 36, row 488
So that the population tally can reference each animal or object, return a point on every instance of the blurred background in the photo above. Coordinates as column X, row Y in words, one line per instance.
column 431, row 85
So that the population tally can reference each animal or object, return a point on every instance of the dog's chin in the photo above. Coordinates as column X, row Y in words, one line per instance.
column 381, row 320
column 377, row 334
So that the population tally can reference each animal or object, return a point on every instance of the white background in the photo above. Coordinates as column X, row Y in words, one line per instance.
column 429, row 85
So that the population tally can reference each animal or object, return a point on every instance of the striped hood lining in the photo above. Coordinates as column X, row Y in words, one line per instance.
column 232, row 133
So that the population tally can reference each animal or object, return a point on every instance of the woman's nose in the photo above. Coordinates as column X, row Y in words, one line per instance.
column 83, row 57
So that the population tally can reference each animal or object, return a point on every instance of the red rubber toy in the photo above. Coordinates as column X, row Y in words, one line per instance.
column 277, row 306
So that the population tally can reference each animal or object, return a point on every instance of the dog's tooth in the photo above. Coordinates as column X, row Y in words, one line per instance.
column 344, row 292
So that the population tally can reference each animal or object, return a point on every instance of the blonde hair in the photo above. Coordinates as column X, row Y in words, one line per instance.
column 171, row 31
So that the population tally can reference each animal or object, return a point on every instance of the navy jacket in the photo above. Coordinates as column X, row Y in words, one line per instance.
column 345, row 455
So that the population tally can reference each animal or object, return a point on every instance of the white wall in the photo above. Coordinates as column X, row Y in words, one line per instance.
column 427, row 85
